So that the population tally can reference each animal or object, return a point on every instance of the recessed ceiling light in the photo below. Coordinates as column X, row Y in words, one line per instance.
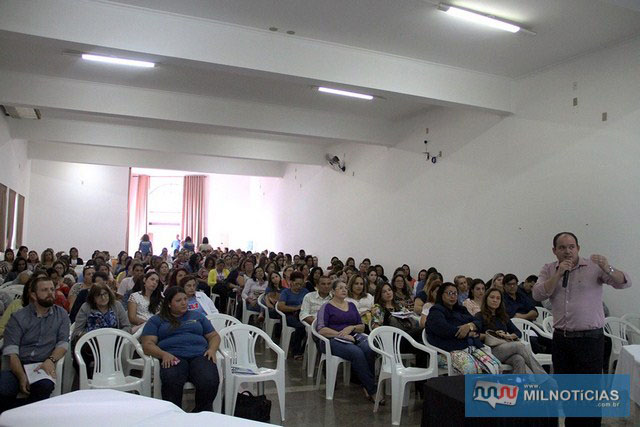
column 273, row 28
column 291, row 32
column 119, row 61
column 481, row 18
column 345, row 93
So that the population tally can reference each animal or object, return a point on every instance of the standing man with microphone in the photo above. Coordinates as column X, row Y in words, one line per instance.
column 574, row 287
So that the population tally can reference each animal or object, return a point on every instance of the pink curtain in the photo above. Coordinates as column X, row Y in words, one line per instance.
column 3, row 216
column 194, row 207
column 11, row 217
column 138, row 196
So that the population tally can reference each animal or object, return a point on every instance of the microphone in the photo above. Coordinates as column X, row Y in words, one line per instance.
column 565, row 279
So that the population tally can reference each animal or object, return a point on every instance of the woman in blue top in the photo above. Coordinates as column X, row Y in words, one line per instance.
column 449, row 325
column 186, row 344
column 145, row 246
column 340, row 321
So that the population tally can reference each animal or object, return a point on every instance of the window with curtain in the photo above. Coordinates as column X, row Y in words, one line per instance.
column 164, row 210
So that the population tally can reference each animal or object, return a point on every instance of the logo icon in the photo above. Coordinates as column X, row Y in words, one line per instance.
column 495, row 393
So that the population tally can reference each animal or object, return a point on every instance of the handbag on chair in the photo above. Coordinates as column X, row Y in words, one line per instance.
column 250, row 407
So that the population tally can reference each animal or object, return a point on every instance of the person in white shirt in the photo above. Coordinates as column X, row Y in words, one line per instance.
column 362, row 299
column 314, row 300
column 127, row 284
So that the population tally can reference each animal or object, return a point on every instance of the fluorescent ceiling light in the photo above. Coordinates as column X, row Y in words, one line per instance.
column 345, row 93
column 479, row 18
column 119, row 61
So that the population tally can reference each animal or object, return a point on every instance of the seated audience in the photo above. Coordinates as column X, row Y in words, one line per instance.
column 527, row 288
column 253, row 289
column 186, row 343
column 463, row 287
column 387, row 312
column 314, row 277
column 100, row 311
column 515, row 353
column 99, row 277
column 144, row 300
column 272, row 294
column 60, row 289
column 33, row 260
column 402, row 291
column 314, row 300
column 516, row 302
column 424, row 296
column 372, row 281
column 87, row 280
column 476, row 294
column 431, row 300
column 197, row 300
column 359, row 296
column 340, row 322
column 19, row 265
column 290, row 303
column 37, row 333
column 420, row 281
column 496, row 282
column 46, row 259
column 6, row 265
column 451, row 328
column 74, row 259
column 286, row 276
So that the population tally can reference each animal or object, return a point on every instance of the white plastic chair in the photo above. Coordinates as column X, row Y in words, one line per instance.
column 618, row 330
column 441, row 371
column 547, row 324
column 69, row 370
column 285, row 332
column 332, row 364
column 246, row 314
column 385, row 340
column 107, row 346
column 310, row 352
column 221, row 321
column 543, row 313
column 214, row 298
column 527, row 328
column 634, row 319
column 269, row 322
column 237, row 344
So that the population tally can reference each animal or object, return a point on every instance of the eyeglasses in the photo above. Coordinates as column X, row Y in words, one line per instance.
column 451, row 293
column 511, row 284
column 103, row 294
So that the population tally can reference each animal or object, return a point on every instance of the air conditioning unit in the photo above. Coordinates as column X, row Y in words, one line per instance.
column 21, row 112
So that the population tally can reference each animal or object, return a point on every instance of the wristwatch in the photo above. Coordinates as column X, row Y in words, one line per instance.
column 611, row 269
column 52, row 359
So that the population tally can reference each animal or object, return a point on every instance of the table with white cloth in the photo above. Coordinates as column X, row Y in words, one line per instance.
column 97, row 408
column 629, row 363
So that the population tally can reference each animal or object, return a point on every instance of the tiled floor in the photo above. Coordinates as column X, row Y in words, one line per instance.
column 306, row 406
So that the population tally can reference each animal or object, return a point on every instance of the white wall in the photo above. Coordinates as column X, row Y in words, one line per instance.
column 78, row 205
column 504, row 187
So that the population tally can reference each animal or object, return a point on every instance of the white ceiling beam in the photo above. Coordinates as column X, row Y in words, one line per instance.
column 157, row 33
column 64, row 152
column 101, row 98
column 165, row 141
